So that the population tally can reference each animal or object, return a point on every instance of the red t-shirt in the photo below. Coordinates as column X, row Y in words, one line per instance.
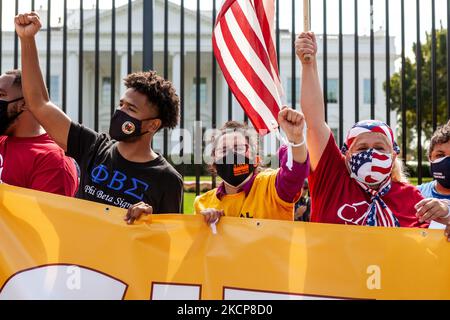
column 338, row 199
column 37, row 163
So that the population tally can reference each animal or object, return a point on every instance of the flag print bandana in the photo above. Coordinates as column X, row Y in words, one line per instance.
column 371, row 168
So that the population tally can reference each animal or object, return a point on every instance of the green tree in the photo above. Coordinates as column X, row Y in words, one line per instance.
column 426, row 90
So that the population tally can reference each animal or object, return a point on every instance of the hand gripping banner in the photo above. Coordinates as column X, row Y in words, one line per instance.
column 53, row 247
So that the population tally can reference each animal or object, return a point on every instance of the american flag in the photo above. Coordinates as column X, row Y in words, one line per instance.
column 367, row 126
column 243, row 42
column 378, row 213
column 371, row 165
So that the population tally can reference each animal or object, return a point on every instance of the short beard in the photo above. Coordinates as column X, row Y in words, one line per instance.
column 9, row 130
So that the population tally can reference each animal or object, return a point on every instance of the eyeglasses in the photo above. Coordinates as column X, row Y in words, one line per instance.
column 240, row 149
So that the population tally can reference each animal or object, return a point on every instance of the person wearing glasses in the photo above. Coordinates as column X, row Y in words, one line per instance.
column 248, row 191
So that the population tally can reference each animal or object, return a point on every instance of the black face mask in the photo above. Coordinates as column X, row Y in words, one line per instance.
column 5, row 120
column 440, row 170
column 234, row 168
column 124, row 127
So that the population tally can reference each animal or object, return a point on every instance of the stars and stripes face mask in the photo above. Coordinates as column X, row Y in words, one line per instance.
column 370, row 167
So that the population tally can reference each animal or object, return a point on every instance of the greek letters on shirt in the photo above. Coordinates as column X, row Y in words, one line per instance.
column 117, row 182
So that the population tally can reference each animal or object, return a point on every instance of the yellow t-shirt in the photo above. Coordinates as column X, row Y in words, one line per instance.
column 262, row 202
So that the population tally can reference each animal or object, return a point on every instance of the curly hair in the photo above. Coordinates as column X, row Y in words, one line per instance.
column 159, row 92
column 441, row 136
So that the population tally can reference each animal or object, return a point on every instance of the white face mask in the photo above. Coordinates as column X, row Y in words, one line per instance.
column 370, row 167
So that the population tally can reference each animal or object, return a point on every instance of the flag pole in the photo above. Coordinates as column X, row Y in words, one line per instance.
column 306, row 24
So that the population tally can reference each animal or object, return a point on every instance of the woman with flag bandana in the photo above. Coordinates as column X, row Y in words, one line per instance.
column 247, row 191
column 363, row 183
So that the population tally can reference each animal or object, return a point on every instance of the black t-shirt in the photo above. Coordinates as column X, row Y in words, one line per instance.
column 109, row 178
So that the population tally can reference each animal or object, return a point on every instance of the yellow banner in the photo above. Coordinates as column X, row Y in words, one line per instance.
column 59, row 248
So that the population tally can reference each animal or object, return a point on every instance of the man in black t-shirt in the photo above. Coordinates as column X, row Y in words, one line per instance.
column 120, row 169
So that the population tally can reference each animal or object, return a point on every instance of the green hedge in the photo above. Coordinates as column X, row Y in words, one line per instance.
column 190, row 169
column 412, row 169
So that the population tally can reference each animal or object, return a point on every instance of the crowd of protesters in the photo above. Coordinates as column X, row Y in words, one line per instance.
column 362, row 183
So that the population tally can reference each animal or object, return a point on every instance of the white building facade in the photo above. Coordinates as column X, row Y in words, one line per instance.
column 190, row 65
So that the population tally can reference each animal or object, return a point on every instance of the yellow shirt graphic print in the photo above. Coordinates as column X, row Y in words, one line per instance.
column 262, row 202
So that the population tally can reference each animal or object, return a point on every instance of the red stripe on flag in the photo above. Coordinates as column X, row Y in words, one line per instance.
column 350, row 142
column 263, row 49
column 380, row 130
column 369, row 179
column 381, row 170
column 254, row 116
column 266, row 29
column 381, row 157
column 226, row 5
column 251, row 36
column 390, row 219
column 249, row 73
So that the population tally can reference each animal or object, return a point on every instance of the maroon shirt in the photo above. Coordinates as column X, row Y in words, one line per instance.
column 37, row 163
column 336, row 198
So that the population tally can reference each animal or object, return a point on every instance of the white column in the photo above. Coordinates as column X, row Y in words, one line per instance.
column 176, row 71
column 88, row 94
column 72, row 85
column 223, row 102
column 123, row 71
column 176, row 80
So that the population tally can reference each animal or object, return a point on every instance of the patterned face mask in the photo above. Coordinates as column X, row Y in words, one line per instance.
column 370, row 167
column 124, row 127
